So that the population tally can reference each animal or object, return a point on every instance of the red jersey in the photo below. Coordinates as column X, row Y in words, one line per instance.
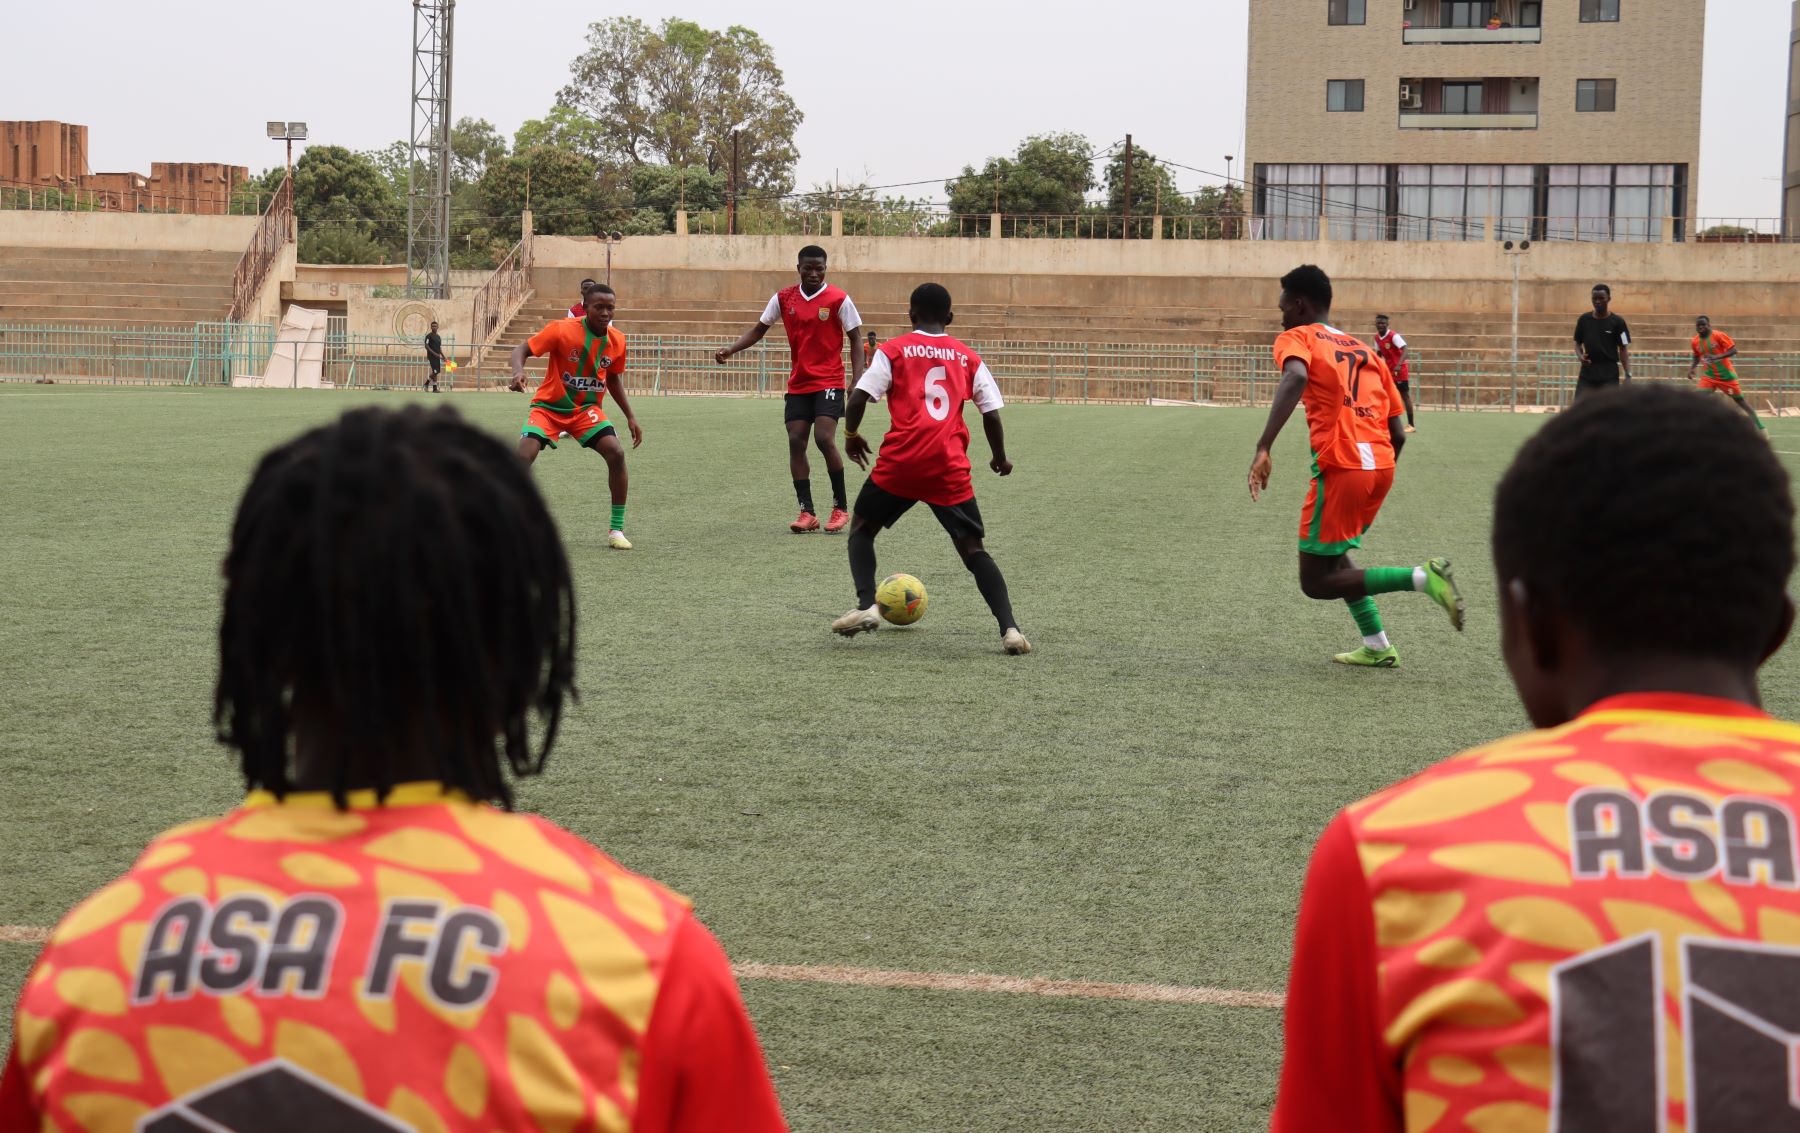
column 577, row 311
column 580, row 363
column 1595, row 927
column 428, row 964
column 815, row 328
column 926, row 378
column 1350, row 395
column 1393, row 352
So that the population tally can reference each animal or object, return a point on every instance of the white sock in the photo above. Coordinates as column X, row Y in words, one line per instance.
column 615, row 531
column 1377, row 641
column 1418, row 578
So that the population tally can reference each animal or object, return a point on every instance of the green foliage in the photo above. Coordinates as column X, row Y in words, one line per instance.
column 566, row 198
column 347, row 209
column 392, row 161
column 1050, row 173
column 665, row 188
column 474, row 144
column 671, row 94
column 563, row 128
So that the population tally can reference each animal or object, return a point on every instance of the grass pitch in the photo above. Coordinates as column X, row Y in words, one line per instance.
column 1134, row 802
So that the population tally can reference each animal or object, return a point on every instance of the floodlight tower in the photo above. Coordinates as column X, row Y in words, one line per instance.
column 428, row 170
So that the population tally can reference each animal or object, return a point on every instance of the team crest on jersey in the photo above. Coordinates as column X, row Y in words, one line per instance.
column 824, row 313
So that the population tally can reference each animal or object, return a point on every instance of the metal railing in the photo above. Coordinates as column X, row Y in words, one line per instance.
column 274, row 233
column 1036, row 371
column 500, row 299
column 236, row 200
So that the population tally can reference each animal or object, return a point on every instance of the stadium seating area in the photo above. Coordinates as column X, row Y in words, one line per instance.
column 80, row 286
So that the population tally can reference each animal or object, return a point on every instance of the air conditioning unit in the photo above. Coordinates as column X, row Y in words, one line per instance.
column 1411, row 97
column 1411, row 4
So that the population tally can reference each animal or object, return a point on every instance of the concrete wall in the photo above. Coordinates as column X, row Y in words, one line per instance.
column 165, row 232
column 411, row 319
column 1741, row 279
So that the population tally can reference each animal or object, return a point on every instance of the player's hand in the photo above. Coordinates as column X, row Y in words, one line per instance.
column 517, row 385
column 857, row 449
column 720, row 355
column 637, row 432
column 1261, row 466
column 1001, row 465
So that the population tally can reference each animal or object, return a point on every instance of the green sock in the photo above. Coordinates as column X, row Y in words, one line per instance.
column 618, row 517
column 1753, row 415
column 1388, row 580
column 1368, row 618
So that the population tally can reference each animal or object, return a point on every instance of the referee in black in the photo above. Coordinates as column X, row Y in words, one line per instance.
column 1604, row 343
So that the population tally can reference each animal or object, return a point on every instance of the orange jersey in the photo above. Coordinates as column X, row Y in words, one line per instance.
column 1350, row 395
column 1719, row 343
column 428, row 964
column 580, row 363
column 1595, row 927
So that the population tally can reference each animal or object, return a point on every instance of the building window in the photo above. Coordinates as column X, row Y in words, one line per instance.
column 1344, row 94
column 1467, row 13
column 1599, row 11
column 1355, row 11
column 1463, row 98
column 1596, row 94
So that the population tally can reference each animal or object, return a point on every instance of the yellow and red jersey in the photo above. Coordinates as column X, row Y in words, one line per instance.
column 1718, row 343
column 1595, row 927
column 1350, row 395
column 580, row 362
column 427, row 964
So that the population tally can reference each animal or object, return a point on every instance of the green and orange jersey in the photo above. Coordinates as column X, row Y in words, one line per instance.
column 431, row 964
column 1595, row 927
column 1718, row 343
column 1350, row 395
column 580, row 361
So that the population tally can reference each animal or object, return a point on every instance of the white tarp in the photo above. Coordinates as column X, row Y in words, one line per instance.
column 298, row 360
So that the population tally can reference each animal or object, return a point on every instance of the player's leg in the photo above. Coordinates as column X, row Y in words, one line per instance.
column 963, row 523
column 799, row 425
column 1405, row 389
column 875, row 509
column 537, row 433
column 1744, row 404
column 529, row 447
column 605, row 441
column 825, row 427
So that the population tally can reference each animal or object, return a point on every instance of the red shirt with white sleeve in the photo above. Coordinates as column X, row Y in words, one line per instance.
column 816, row 326
column 926, row 378
column 1393, row 351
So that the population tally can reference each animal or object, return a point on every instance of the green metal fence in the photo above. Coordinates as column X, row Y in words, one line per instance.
column 214, row 353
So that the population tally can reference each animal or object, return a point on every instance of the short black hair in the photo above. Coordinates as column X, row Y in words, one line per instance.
column 1602, row 287
column 586, row 282
column 1378, row 318
column 1309, row 282
column 395, row 587
column 1613, row 513
column 605, row 288
column 931, row 301
column 810, row 251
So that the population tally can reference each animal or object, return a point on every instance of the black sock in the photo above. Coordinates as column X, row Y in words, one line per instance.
column 862, row 568
column 803, row 489
column 989, row 580
column 837, row 490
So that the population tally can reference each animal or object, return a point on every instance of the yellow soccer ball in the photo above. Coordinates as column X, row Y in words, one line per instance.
column 901, row 599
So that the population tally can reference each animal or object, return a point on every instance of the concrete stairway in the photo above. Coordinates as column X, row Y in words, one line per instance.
column 114, row 286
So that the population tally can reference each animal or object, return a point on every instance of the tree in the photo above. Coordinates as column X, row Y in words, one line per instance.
column 346, row 207
column 391, row 160
column 565, row 197
column 562, row 128
column 670, row 95
column 666, row 188
column 1153, row 188
column 474, row 143
column 1050, row 173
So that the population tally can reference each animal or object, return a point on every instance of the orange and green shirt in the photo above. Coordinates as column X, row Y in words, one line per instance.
column 431, row 964
column 580, row 362
column 1594, row 927
column 1350, row 395
column 1720, row 342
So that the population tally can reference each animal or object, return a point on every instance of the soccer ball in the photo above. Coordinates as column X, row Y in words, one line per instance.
column 901, row 599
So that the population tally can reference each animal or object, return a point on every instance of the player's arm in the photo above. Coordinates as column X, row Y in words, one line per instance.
column 996, row 437
column 519, row 354
column 615, row 388
column 1625, row 349
column 755, row 334
column 1287, row 395
column 1336, row 1072
column 1396, row 421
column 986, row 395
column 1580, row 346
column 1695, row 364
column 16, row 1108
column 851, row 320
column 856, row 446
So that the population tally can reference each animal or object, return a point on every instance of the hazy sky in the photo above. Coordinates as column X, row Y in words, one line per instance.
column 885, row 93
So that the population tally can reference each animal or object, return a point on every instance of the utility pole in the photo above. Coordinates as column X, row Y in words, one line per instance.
column 731, row 197
column 1127, row 186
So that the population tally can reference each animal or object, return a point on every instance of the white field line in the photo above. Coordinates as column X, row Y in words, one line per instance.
column 927, row 981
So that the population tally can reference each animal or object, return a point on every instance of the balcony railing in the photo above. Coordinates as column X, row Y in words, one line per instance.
column 1419, row 120
column 1472, row 35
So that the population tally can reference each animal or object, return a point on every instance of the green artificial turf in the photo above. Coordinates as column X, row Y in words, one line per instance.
column 1133, row 802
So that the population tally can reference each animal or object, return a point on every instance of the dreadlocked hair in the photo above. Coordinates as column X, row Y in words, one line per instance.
column 395, row 589
column 1656, row 519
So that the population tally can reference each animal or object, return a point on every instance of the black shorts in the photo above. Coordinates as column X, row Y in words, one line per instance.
column 808, row 406
column 878, row 505
column 1404, row 385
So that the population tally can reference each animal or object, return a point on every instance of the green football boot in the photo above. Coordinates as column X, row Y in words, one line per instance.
column 1440, row 587
column 1388, row 658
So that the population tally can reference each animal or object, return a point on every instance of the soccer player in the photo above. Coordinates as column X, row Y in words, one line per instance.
column 578, row 309
column 587, row 357
column 869, row 346
column 374, row 941
column 1603, row 340
column 434, row 357
column 1393, row 354
column 926, row 376
column 1593, row 926
column 817, row 317
column 1353, row 415
column 1714, row 350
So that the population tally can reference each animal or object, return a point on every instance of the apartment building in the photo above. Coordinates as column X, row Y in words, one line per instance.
column 1474, row 119
column 54, row 155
